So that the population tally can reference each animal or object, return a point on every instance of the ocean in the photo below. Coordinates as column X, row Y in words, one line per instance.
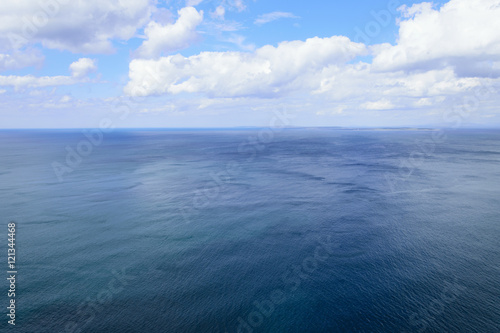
column 253, row 230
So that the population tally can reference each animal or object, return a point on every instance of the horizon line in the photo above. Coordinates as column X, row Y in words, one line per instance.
column 256, row 127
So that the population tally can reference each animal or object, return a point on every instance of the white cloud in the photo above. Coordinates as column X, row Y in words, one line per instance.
column 424, row 102
column 430, row 83
column 382, row 104
column 171, row 37
column 238, row 4
column 239, row 40
column 463, row 34
column 269, row 71
column 336, row 110
column 77, row 26
column 441, row 54
column 325, row 84
column 79, row 71
column 30, row 81
column 82, row 67
column 321, row 74
column 17, row 59
column 216, row 27
column 218, row 13
column 65, row 99
column 269, row 17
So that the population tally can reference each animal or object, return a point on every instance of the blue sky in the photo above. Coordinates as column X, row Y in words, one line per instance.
column 223, row 63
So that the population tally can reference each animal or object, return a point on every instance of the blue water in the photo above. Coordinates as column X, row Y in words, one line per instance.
column 300, row 230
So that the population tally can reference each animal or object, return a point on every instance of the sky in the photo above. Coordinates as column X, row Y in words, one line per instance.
column 231, row 63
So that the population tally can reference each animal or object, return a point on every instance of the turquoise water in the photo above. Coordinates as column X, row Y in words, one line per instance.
column 304, row 230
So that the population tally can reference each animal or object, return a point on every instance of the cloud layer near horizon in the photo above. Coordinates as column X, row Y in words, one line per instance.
column 440, row 53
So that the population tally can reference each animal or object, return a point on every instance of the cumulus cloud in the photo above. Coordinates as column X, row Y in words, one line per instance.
column 171, row 37
column 17, row 59
column 359, row 84
column 78, row 26
column 269, row 17
column 79, row 71
column 431, row 83
column 322, row 76
column 463, row 34
column 82, row 67
column 267, row 71
column 441, row 53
